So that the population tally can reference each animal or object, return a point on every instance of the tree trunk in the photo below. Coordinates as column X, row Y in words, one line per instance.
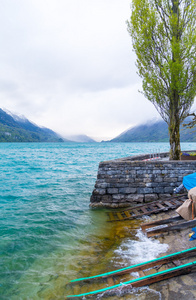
column 174, row 122
column 174, row 131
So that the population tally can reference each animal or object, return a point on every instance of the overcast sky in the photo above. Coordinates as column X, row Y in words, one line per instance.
column 68, row 65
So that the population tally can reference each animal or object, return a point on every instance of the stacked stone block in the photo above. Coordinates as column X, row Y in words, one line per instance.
column 134, row 180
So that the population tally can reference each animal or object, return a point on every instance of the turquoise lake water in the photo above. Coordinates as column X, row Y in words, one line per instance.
column 48, row 233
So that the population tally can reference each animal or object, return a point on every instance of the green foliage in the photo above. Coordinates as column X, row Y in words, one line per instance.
column 164, row 39
column 154, row 132
column 17, row 131
column 14, row 134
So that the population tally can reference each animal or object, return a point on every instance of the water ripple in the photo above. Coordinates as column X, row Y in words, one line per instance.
column 46, row 225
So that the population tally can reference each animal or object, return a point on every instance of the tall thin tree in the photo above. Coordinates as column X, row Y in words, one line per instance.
column 164, row 39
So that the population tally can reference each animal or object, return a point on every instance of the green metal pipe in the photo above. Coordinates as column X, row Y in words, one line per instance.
column 131, row 267
column 130, row 282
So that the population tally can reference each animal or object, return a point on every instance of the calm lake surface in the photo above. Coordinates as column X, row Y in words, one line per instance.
column 48, row 233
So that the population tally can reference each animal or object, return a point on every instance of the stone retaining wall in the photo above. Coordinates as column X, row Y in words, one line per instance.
column 133, row 180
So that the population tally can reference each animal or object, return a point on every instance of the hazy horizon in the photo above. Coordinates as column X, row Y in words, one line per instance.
column 69, row 66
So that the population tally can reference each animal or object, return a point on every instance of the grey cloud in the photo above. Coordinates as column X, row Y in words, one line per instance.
column 65, row 62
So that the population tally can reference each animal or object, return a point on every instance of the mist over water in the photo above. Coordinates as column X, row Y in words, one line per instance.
column 48, row 233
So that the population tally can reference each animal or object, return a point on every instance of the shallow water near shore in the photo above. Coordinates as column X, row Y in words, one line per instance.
column 48, row 233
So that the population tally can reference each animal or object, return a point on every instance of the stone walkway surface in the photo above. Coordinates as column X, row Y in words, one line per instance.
column 178, row 288
column 181, row 287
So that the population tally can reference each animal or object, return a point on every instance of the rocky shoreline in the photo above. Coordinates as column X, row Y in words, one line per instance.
column 177, row 288
column 181, row 287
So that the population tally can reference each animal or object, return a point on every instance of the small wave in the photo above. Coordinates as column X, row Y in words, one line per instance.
column 140, row 250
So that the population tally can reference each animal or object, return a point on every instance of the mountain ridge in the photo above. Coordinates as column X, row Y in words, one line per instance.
column 14, row 128
column 155, row 131
column 81, row 138
column 17, row 128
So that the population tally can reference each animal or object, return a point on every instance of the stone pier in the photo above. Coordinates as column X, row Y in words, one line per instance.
column 138, row 179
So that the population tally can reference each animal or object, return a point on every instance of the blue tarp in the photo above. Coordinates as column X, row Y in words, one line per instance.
column 193, row 237
column 189, row 181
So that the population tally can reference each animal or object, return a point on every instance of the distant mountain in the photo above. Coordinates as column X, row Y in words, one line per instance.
column 153, row 132
column 81, row 139
column 15, row 128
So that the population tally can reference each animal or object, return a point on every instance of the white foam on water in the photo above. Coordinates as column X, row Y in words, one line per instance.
column 140, row 250
column 133, row 252
column 134, row 293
